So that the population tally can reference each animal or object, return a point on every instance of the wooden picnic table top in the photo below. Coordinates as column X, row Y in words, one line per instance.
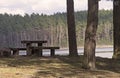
column 21, row 48
column 34, row 41
column 45, row 47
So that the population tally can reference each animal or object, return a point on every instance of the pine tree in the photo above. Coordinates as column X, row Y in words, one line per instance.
column 116, row 24
column 90, row 35
column 71, row 28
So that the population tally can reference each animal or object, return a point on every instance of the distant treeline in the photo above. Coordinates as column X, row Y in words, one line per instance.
column 53, row 28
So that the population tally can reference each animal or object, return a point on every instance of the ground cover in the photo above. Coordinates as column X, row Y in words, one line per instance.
column 56, row 67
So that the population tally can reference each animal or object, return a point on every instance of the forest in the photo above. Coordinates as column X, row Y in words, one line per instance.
column 53, row 28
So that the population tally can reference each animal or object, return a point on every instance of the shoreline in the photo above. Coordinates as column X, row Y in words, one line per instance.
column 98, row 46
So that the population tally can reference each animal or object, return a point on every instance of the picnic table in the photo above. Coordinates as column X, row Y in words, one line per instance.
column 34, row 50
column 29, row 45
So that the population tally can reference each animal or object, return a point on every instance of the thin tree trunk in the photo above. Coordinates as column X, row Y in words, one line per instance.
column 116, row 25
column 90, row 35
column 71, row 28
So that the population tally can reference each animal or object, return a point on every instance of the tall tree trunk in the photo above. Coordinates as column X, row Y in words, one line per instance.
column 71, row 28
column 116, row 25
column 90, row 35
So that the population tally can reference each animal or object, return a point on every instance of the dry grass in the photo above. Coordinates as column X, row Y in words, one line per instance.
column 57, row 67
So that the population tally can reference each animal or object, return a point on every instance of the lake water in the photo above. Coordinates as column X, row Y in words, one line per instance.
column 100, row 52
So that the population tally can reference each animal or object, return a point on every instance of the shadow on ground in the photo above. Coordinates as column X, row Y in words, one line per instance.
column 108, row 64
column 64, row 66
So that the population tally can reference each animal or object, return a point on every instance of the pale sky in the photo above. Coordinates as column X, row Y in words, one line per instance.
column 45, row 6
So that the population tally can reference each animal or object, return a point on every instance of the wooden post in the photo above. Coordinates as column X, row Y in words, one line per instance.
column 15, row 52
column 39, row 44
column 52, row 51
column 29, row 51
column 40, row 50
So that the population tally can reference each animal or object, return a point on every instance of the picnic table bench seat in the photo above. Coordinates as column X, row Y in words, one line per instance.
column 39, row 48
column 16, row 50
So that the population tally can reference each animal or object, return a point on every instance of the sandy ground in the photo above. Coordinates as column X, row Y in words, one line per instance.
column 56, row 67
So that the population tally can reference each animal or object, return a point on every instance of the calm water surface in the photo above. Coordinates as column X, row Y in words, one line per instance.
column 100, row 52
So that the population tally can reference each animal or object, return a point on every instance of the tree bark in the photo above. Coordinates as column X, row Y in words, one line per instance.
column 116, row 28
column 90, row 35
column 71, row 28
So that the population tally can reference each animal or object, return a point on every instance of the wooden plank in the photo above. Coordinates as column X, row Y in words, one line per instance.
column 17, row 48
column 52, row 52
column 15, row 52
column 45, row 47
column 36, row 52
column 29, row 51
column 52, row 49
column 30, row 41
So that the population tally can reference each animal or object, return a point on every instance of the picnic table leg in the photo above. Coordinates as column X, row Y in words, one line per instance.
column 29, row 51
column 40, row 50
column 39, row 44
column 15, row 52
column 52, row 52
column 36, row 52
column 33, row 52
